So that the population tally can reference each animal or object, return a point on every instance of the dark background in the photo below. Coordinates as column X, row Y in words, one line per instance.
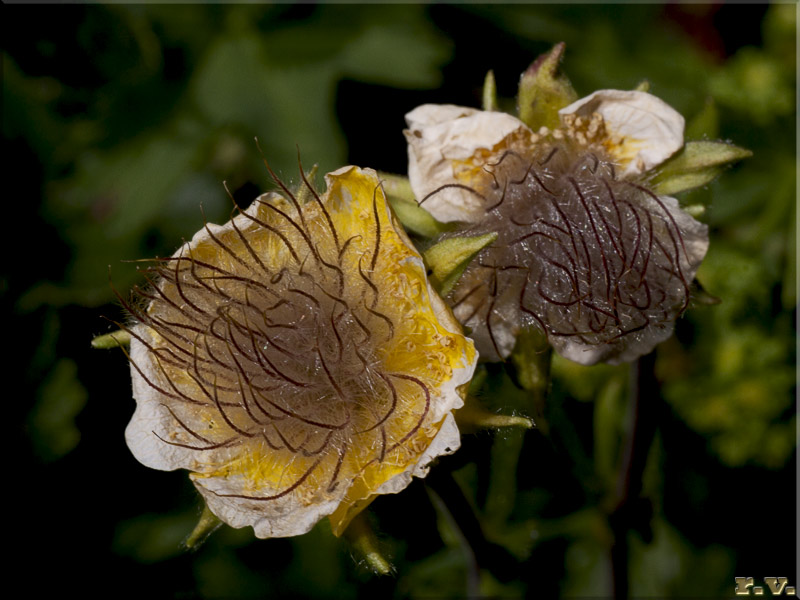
column 120, row 121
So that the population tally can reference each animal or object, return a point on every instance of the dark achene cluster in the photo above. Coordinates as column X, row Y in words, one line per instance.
column 597, row 262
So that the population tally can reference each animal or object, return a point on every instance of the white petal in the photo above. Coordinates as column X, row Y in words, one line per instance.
column 282, row 517
column 152, row 417
column 437, row 136
column 447, row 441
column 429, row 115
column 650, row 130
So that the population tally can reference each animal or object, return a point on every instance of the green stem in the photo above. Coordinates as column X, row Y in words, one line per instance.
column 630, row 509
column 363, row 539
column 208, row 524
column 531, row 360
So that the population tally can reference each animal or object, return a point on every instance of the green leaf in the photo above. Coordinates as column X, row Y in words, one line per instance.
column 406, row 55
column 151, row 538
column 243, row 83
column 696, row 165
column 543, row 90
column 754, row 83
column 449, row 258
column 52, row 421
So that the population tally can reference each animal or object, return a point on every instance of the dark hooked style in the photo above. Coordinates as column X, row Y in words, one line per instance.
column 592, row 260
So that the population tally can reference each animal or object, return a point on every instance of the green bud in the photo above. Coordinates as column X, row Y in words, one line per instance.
column 114, row 339
column 696, row 165
column 489, row 92
column 644, row 86
column 543, row 90
column 448, row 259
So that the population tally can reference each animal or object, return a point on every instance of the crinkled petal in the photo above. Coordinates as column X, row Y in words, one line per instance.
column 448, row 145
column 446, row 441
column 296, row 360
column 643, row 130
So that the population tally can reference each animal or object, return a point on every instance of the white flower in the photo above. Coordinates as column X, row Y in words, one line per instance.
column 296, row 361
column 585, row 250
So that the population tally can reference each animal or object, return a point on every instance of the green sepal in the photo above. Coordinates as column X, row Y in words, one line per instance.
column 544, row 90
column 416, row 219
column 474, row 417
column 698, row 296
column 695, row 165
column 404, row 204
column 696, row 210
column 115, row 339
column 305, row 186
column 397, row 186
column 448, row 259
column 206, row 525
column 362, row 539
column 489, row 92
column 644, row 86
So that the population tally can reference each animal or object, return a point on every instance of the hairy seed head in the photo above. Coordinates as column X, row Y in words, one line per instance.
column 296, row 360
column 601, row 264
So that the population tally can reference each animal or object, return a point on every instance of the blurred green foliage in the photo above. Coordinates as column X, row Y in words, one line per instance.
column 122, row 121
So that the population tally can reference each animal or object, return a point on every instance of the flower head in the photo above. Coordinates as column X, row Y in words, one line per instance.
column 586, row 251
column 296, row 361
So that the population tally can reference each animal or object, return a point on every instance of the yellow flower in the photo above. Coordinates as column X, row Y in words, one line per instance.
column 585, row 250
column 296, row 360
